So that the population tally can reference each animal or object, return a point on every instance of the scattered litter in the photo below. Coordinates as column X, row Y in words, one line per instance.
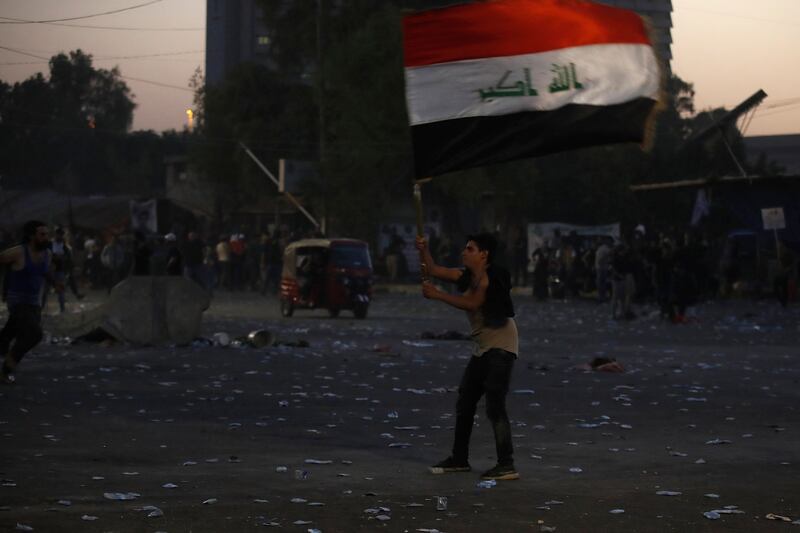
column 447, row 335
column 318, row 462
column 487, row 483
column 210, row 501
column 23, row 527
column 617, row 511
column 718, row 441
column 771, row 516
column 169, row 486
column 417, row 344
column 602, row 364
column 121, row 496
column 152, row 511
column 524, row 391
column 221, row 339
column 712, row 515
column 668, row 493
column 576, row 470
column 89, row 518
column 441, row 503
column 260, row 338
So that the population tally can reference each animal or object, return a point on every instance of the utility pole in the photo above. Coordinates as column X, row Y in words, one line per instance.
column 321, row 116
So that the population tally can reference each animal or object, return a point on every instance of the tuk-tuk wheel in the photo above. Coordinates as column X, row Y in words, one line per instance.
column 360, row 311
column 333, row 312
column 287, row 308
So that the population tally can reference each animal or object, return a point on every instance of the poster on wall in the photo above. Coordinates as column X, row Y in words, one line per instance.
column 144, row 216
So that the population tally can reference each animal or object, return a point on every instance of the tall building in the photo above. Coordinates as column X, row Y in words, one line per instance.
column 659, row 13
column 234, row 34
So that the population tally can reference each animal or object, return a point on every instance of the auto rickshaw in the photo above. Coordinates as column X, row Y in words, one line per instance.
column 332, row 274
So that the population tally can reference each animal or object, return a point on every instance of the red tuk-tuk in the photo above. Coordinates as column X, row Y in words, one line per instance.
column 332, row 274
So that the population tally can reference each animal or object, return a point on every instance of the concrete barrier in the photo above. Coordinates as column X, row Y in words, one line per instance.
column 147, row 310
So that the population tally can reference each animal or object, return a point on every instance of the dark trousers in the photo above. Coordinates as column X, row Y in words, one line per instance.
column 489, row 374
column 23, row 328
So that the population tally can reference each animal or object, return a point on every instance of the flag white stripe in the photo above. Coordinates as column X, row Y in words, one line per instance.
column 609, row 74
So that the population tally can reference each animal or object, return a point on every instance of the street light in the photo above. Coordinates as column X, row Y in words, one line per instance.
column 189, row 119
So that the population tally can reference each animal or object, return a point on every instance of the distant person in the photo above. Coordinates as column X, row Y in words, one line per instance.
column 92, row 265
column 521, row 259
column 193, row 258
column 238, row 249
column 62, row 269
column 223, row 251
column 602, row 264
column 623, row 283
column 486, row 298
column 142, row 253
column 541, row 273
column 113, row 259
column 174, row 256
column 30, row 265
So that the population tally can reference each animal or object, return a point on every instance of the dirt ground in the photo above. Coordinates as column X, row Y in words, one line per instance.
column 336, row 436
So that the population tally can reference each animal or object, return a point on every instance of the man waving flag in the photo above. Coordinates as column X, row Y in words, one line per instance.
column 499, row 80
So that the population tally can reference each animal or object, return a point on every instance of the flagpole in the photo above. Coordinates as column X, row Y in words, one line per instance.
column 423, row 268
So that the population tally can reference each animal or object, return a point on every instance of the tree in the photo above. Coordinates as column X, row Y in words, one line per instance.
column 54, row 129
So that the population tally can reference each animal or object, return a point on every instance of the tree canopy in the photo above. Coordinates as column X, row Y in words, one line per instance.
column 67, row 130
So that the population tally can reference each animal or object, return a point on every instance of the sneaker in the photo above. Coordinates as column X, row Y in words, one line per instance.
column 450, row 465
column 501, row 472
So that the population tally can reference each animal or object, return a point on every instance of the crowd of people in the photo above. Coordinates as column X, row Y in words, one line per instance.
column 671, row 272
column 231, row 261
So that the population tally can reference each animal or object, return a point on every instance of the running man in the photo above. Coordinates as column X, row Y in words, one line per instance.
column 30, row 266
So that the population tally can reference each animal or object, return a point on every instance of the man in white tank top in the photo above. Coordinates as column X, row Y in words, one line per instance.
column 487, row 301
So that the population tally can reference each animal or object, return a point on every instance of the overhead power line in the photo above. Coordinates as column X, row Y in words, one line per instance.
column 158, row 83
column 12, row 20
column 789, row 108
column 123, row 28
column 21, row 52
column 94, row 58
column 151, row 82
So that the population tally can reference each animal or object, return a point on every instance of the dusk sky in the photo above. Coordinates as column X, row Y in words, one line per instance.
column 727, row 48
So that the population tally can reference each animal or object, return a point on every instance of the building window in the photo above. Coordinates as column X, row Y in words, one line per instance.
column 263, row 40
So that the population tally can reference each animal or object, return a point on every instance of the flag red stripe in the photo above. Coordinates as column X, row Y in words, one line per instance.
column 512, row 27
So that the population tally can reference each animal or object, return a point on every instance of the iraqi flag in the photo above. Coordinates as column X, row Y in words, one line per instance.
column 498, row 80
